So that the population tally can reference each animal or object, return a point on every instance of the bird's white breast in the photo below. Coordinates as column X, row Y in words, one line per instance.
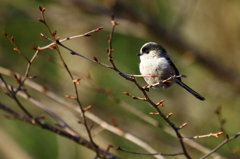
column 159, row 66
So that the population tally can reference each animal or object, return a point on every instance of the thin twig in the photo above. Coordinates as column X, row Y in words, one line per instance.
column 216, row 135
column 53, row 34
column 88, row 114
column 20, row 79
column 56, row 130
column 176, row 129
column 61, row 123
column 68, row 38
column 110, row 49
column 145, row 153
column 12, row 95
column 102, row 123
column 221, row 144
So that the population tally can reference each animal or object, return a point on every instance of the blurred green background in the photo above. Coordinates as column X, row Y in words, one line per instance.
column 202, row 38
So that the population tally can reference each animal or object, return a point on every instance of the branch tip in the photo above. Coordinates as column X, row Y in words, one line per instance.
column 118, row 148
column 12, row 39
column 88, row 108
column 170, row 114
column 71, row 97
column 218, row 134
column 40, row 8
column 77, row 81
column 160, row 103
column 183, row 125
column 152, row 113
column 100, row 28
column 95, row 59
column 5, row 34
column 31, row 77
column 41, row 20
column 54, row 33
column 16, row 49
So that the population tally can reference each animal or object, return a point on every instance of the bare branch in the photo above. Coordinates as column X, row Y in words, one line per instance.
column 221, row 144
column 56, row 130
column 144, row 153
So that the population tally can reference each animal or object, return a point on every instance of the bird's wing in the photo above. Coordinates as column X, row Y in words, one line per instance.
column 174, row 67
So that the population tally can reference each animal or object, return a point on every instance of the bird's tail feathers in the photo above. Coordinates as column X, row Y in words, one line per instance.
column 180, row 83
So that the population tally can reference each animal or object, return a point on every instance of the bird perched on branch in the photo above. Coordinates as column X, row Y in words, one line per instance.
column 155, row 60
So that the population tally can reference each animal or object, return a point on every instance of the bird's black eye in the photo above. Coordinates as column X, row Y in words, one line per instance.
column 146, row 50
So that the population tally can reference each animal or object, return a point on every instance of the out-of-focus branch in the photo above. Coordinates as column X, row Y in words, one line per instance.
column 10, row 142
column 61, row 123
column 56, row 130
column 77, row 98
column 142, row 153
column 20, row 79
column 107, row 126
column 170, row 37
column 88, row 114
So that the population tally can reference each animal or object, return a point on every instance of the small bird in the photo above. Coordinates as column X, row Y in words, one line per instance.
column 155, row 60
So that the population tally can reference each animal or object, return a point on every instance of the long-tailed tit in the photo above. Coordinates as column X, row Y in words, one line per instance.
column 155, row 60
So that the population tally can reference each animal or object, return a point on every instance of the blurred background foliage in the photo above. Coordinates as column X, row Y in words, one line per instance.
column 202, row 38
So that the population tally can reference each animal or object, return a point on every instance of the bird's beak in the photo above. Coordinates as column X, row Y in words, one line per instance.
column 139, row 54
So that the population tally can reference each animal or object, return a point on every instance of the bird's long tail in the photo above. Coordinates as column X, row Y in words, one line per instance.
column 180, row 83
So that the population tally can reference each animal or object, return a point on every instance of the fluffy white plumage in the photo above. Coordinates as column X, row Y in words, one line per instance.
column 155, row 60
column 158, row 66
